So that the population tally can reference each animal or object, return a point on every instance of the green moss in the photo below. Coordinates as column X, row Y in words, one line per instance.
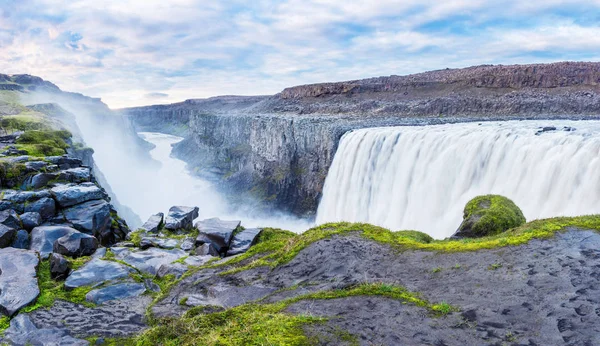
column 13, row 172
column 136, row 237
column 490, row 215
column 265, row 324
column 4, row 324
column 44, row 142
column 51, row 290
column 285, row 250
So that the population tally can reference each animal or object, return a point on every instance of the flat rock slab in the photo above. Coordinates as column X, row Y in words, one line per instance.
column 43, row 238
column 69, row 195
column 163, row 243
column 149, row 261
column 23, row 332
column 242, row 241
column 113, row 319
column 18, row 279
column 91, row 217
column 115, row 292
column 216, row 232
column 96, row 272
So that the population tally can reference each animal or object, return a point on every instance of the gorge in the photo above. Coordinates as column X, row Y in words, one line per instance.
column 371, row 176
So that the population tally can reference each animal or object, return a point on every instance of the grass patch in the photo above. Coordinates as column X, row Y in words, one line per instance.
column 265, row 324
column 51, row 290
column 44, row 142
column 4, row 324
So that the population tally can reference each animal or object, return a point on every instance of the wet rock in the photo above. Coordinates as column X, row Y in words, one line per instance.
column 59, row 267
column 21, row 240
column 76, row 245
column 31, row 220
column 7, row 235
column 91, row 217
column 545, row 129
column 187, row 244
column 175, row 269
column 35, row 165
column 216, row 232
column 149, row 261
column 243, row 241
column 69, row 195
column 46, row 207
column 95, row 272
column 115, row 292
column 181, row 218
column 75, row 175
column 23, row 332
column 153, row 224
column 163, row 243
column 18, row 281
column 43, row 238
column 39, row 181
column 206, row 249
column 11, row 219
column 64, row 162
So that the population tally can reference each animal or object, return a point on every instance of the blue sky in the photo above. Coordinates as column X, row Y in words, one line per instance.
column 138, row 52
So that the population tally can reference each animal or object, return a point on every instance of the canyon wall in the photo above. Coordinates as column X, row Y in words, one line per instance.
column 278, row 148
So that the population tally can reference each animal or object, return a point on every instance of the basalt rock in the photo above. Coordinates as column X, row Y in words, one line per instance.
column 43, row 238
column 181, row 218
column 115, row 292
column 46, row 207
column 7, row 235
column 18, row 279
column 96, row 272
column 31, row 220
column 91, row 217
column 59, row 267
column 70, row 195
column 243, row 241
column 154, row 223
column 21, row 240
column 76, row 245
column 216, row 232
column 11, row 219
column 23, row 332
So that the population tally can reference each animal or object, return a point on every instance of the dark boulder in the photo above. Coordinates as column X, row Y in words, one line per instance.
column 7, row 235
column 489, row 215
column 206, row 249
column 243, row 241
column 21, row 240
column 43, row 238
column 59, row 267
column 91, row 217
column 64, row 162
column 216, row 232
column 31, row 220
column 181, row 218
column 154, row 223
column 11, row 219
column 115, row 292
column 76, row 245
column 18, row 281
column 46, row 207
column 69, row 195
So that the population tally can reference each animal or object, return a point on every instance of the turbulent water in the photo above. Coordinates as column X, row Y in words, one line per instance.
column 172, row 184
column 421, row 177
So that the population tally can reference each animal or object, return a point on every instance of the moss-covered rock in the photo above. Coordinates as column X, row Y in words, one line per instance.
column 489, row 215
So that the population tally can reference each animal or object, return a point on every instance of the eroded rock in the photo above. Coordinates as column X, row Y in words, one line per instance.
column 31, row 220
column 59, row 267
column 21, row 240
column 149, row 261
column 115, row 292
column 43, row 238
column 76, row 245
column 242, row 241
column 7, row 235
column 23, row 332
column 95, row 272
column 70, row 195
column 216, row 232
column 153, row 224
column 11, row 219
column 91, row 217
column 18, row 279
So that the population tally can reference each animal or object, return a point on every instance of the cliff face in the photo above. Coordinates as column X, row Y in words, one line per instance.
column 279, row 148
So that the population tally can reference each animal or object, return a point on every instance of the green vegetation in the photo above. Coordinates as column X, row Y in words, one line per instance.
column 489, row 215
column 286, row 248
column 265, row 324
column 51, row 290
column 44, row 142
column 4, row 324
column 11, row 172
column 495, row 266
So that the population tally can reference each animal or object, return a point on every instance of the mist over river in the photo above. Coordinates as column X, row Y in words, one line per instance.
column 170, row 183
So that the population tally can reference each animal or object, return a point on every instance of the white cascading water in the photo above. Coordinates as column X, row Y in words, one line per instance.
column 421, row 177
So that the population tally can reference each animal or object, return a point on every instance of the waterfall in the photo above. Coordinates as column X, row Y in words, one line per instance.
column 421, row 177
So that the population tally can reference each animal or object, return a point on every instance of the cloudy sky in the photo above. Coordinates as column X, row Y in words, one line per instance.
column 137, row 52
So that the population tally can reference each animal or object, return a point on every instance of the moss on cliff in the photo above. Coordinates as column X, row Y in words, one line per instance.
column 44, row 142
